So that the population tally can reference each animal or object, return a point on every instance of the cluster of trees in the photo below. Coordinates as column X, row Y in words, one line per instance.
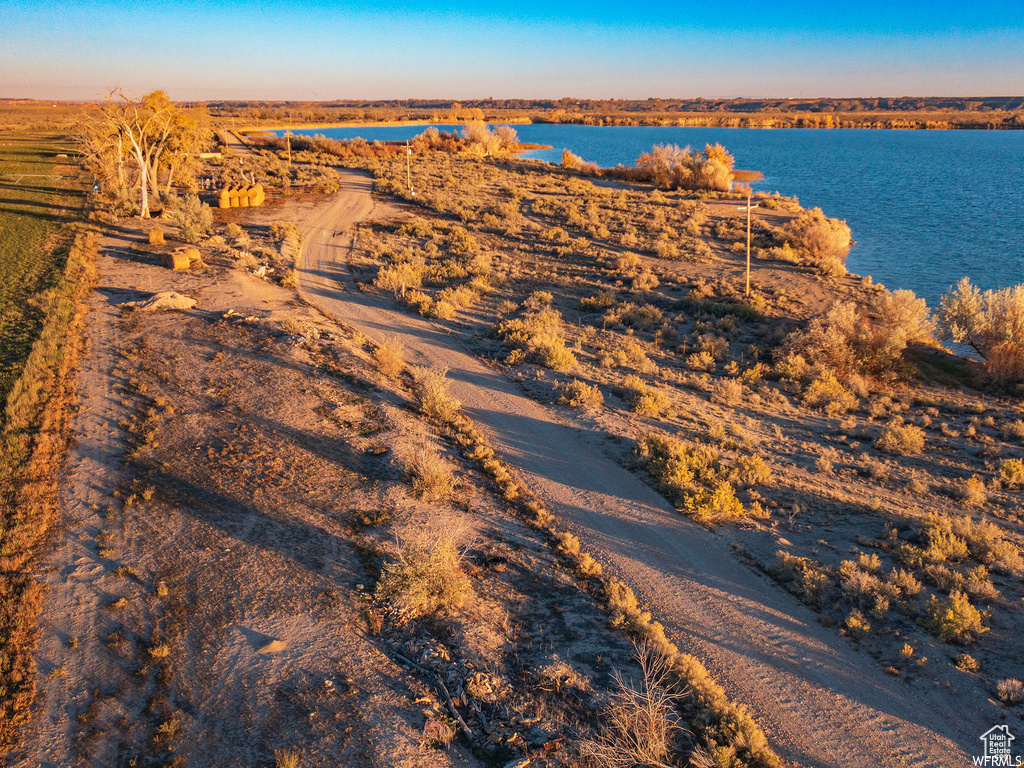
column 482, row 140
column 672, row 167
column 142, row 147
column 851, row 342
column 990, row 323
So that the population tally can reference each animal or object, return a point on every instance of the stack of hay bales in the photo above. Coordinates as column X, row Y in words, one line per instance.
column 243, row 197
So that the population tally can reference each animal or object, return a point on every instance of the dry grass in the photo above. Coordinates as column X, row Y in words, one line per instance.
column 426, row 575
column 429, row 475
column 287, row 758
column 389, row 356
column 430, row 388
column 34, row 438
column 1010, row 691
column 640, row 726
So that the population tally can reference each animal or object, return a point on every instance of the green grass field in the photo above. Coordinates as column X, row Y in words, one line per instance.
column 41, row 194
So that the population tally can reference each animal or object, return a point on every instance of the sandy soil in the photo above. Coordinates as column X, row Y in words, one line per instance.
column 242, row 574
column 207, row 600
column 820, row 701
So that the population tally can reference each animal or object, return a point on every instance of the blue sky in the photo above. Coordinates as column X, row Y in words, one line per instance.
column 530, row 49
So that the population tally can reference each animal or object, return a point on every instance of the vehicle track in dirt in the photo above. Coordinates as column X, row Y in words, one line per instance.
column 819, row 700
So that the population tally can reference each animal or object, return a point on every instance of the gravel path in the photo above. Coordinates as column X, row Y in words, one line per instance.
column 821, row 702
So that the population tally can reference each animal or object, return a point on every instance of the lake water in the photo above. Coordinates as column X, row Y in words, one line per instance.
column 926, row 207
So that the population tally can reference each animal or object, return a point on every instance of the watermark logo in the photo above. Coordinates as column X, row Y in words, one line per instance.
column 998, row 753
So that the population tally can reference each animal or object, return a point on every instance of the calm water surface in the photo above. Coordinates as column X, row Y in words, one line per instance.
column 926, row 207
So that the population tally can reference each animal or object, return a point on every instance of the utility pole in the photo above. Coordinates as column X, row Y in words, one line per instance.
column 747, row 209
column 408, row 168
column 748, row 243
column 288, row 143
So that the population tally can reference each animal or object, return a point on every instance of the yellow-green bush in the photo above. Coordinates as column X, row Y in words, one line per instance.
column 900, row 438
column 826, row 394
column 954, row 619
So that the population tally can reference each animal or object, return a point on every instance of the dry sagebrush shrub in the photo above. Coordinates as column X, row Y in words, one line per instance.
column 537, row 335
column 900, row 438
column 826, row 394
column 578, row 394
column 426, row 574
column 1011, row 473
column 973, row 492
column 389, row 356
column 991, row 323
column 853, row 342
column 430, row 388
column 987, row 545
column 826, row 241
column 695, row 479
column 645, row 399
column 728, row 392
column 640, row 725
column 1010, row 691
column 953, row 619
column 671, row 166
column 727, row 729
column 429, row 475
column 399, row 278
column 193, row 217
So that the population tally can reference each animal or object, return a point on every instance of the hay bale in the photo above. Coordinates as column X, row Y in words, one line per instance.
column 224, row 199
column 156, row 236
column 243, row 201
column 190, row 252
column 176, row 260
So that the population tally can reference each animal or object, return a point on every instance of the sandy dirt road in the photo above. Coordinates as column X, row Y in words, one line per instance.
column 820, row 701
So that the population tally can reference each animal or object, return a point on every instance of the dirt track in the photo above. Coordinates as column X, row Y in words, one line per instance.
column 820, row 701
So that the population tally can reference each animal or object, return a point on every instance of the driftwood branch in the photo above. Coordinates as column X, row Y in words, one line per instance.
column 436, row 679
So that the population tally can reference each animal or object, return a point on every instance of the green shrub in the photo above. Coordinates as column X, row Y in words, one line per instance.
column 953, row 620
column 192, row 216
column 826, row 394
